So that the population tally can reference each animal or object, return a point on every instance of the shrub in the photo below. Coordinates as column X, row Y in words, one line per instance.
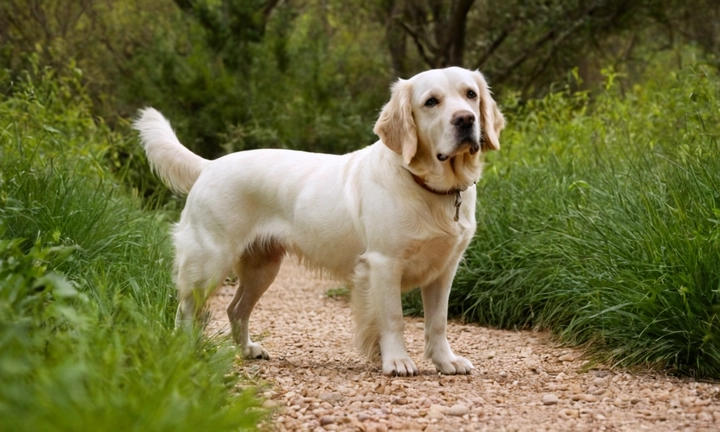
column 86, row 300
column 599, row 221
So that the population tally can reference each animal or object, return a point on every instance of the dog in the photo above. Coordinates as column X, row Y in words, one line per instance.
column 388, row 218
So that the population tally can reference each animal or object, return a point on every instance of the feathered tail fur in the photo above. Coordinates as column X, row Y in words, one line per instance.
column 176, row 166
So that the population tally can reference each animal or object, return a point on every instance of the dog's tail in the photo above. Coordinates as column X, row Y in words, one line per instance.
column 176, row 166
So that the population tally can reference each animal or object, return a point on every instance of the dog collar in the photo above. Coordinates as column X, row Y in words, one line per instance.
column 453, row 191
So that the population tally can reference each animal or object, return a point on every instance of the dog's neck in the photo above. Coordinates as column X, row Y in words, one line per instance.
column 428, row 188
column 453, row 191
column 458, row 173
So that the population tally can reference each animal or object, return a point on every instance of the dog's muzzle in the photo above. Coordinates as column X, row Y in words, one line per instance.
column 465, row 134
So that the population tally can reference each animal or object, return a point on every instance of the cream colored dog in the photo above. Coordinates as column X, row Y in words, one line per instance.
column 388, row 218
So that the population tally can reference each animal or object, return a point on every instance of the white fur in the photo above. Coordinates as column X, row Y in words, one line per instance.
column 359, row 217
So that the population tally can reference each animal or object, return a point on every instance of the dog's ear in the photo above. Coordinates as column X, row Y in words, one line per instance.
column 396, row 126
column 490, row 116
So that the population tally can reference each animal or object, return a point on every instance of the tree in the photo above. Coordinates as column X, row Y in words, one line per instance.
column 231, row 25
column 527, row 44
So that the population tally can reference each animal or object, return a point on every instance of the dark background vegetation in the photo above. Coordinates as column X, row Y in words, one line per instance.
column 599, row 219
column 312, row 74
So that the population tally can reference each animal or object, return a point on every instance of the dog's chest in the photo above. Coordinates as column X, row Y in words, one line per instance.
column 426, row 260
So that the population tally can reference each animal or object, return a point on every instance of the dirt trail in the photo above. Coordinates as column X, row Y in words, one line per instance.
column 522, row 381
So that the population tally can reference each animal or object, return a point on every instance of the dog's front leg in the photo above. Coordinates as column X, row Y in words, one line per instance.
column 435, row 305
column 385, row 299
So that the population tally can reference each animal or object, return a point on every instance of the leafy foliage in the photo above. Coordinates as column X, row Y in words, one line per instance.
column 600, row 222
column 86, row 301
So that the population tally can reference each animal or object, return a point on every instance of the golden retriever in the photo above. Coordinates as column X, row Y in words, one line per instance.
column 387, row 218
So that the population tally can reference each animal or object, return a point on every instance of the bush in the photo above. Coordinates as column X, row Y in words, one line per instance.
column 86, row 300
column 600, row 220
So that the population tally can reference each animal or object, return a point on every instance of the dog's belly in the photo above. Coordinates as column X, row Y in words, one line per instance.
column 328, row 248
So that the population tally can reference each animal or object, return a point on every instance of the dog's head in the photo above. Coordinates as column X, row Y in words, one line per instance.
column 440, row 120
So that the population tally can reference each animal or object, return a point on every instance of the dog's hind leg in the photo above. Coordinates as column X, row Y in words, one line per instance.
column 196, row 280
column 256, row 270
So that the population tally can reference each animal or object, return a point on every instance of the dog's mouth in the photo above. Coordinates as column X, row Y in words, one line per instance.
column 466, row 143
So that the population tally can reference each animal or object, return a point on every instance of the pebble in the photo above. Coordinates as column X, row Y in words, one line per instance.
column 326, row 420
column 569, row 413
column 705, row 416
column 270, row 404
column 330, row 397
column 379, row 427
column 569, row 357
column 583, row 397
column 550, row 399
column 436, row 412
column 458, row 410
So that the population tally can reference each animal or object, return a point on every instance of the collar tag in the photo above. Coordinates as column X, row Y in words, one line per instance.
column 458, row 203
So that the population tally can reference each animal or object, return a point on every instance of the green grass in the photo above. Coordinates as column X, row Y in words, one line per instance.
column 86, row 299
column 601, row 222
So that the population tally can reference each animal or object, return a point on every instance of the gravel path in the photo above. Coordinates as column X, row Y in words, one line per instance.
column 315, row 380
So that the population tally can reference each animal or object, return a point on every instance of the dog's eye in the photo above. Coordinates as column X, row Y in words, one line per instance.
column 431, row 102
column 471, row 94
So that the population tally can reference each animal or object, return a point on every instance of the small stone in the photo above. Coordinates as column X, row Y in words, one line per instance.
column 399, row 401
column 569, row 357
column 379, row 427
column 568, row 413
column 436, row 412
column 705, row 416
column 330, row 397
column 458, row 410
column 490, row 354
column 326, row 420
column 687, row 401
column 503, row 374
column 550, row 399
column 583, row 397
column 599, row 417
column 270, row 404
column 635, row 401
column 525, row 352
column 436, row 407
column 362, row 417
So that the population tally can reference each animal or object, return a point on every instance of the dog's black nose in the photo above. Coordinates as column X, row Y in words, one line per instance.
column 463, row 119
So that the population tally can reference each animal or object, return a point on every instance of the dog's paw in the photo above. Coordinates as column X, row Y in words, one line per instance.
column 255, row 351
column 400, row 367
column 455, row 365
